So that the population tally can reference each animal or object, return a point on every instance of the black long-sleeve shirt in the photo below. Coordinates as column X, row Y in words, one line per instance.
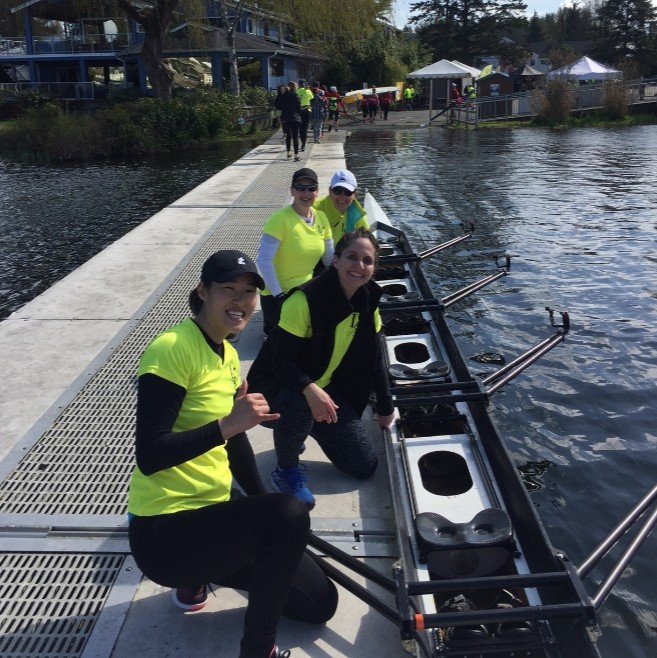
column 158, row 447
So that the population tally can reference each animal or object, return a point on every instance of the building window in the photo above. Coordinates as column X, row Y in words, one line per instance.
column 276, row 67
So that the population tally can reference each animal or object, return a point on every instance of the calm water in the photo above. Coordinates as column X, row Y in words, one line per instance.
column 577, row 210
column 54, row 218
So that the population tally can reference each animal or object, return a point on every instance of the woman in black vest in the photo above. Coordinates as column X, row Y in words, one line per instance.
column 321, row 364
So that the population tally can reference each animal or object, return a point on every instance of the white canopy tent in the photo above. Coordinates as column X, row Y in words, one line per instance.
column 445, row 70
column 586, row 68
column 474, row 73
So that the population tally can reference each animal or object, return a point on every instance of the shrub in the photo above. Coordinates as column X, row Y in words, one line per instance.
column 616, row 97
column 553, row 101
column 144, row 126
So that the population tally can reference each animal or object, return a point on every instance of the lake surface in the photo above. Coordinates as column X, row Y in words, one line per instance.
column 54, row 218
column 577, row 211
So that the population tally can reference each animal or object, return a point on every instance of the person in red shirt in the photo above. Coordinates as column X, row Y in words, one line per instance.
column 372, row 105
column 385, row 101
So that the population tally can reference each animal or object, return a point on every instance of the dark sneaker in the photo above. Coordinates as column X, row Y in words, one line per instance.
column 293, row 481
column 190, row 599
column 277, row 653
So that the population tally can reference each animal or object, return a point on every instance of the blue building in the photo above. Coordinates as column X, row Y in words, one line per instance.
column 92, row 52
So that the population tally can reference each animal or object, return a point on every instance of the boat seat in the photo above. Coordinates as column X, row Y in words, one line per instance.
column 433, row 370
column 411, row 295
column 490, row 527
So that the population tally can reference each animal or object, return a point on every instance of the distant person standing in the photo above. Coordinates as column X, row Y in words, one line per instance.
column 317, row 114
column 287, row 102
column 305, row 96
column 409, row 92
column 364, row 108
column 385, row 101
column 335, row 105
column 372, row 105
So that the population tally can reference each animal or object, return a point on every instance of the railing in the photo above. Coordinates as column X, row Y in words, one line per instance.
column 62, row 90
column 520, row 105
column 58, row 46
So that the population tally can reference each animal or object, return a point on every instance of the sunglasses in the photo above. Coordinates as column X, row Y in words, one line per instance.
column 302, row 188
column 341, row 190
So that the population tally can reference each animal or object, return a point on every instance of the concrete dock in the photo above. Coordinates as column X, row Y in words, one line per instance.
column 68, row 586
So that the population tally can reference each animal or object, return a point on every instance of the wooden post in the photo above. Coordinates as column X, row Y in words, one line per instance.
column 430, row 98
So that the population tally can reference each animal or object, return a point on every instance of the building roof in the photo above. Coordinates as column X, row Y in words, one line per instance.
column 214, row 39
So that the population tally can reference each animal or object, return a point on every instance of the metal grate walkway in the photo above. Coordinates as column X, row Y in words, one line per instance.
column 74, row 479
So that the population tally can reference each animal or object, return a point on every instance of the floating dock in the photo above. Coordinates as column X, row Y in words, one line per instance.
column 68, row 585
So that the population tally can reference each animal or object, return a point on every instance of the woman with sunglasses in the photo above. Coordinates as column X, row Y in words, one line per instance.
column 293, row 240
column 187, row 526
column 321, row 364
column 343, row 210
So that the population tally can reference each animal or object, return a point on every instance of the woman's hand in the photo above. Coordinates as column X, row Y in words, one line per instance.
column 322, row 407
column 248, row 411
column 385, row 422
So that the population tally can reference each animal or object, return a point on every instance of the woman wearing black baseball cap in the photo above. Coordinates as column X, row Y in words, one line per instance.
column 186, row 529
column 294, row 240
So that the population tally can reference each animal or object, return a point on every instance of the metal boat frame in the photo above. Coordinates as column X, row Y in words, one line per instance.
column 477, row 574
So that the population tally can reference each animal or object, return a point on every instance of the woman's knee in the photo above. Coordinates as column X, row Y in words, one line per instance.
column 291, row 514
column 364, row 469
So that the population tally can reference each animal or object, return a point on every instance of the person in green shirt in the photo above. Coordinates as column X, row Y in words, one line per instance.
column 293, row 241
column 305, row 97
column 409, row 92
column 187, row 526
column 343, row 210
column 322, row 363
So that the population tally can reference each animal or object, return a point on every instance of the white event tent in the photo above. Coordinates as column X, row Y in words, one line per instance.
column 442, row 70
column 586, row 68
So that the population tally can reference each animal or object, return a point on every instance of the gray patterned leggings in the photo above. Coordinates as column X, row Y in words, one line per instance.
column 346, row 443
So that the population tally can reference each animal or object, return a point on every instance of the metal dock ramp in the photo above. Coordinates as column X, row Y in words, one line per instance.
column 67, row 581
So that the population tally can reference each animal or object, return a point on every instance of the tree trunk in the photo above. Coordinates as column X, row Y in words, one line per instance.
column 158, row 70
column 232, row 63
column 155, row 20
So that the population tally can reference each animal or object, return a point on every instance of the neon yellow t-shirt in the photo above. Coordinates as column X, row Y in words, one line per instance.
column 354, row 217
column 181, row 355
column 295, row 319
column 305, row 96
column 301, row 246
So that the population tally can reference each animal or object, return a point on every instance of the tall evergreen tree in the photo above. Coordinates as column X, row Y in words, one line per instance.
column 464, row 29
column 624, row 31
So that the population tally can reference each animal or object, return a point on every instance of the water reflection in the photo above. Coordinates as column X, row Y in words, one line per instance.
column 576, row 209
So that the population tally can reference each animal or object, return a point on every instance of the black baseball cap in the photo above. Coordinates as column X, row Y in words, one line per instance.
column 304, row 173
column 227, row 265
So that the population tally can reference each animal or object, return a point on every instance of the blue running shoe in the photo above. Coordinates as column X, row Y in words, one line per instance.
column 293, row 481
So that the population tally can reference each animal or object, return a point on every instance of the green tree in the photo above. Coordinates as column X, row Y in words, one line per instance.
column 624, row 31
column 465, row 29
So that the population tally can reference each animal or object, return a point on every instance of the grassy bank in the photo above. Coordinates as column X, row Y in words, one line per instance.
column 590, row 120
column 202, row 119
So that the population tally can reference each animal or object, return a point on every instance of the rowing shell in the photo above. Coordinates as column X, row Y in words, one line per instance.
column 477, row 572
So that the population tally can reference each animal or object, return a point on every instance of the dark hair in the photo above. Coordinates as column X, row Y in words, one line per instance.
column 194, row 301
column 352, row 236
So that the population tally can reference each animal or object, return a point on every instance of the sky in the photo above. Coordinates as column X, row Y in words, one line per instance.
column 539, row 6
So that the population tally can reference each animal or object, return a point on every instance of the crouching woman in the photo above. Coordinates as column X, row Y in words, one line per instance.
column 186, row 529
column 322, row 363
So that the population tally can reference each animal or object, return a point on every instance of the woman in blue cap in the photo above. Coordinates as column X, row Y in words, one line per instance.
column 187, row 526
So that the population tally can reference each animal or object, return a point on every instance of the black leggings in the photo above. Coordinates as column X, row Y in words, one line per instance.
column 254, row 544
column 303, row 130
column 291, row 130
column 346, row 443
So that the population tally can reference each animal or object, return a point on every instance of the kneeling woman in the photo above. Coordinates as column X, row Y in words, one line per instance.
column 192, row 414
column 321, row 365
